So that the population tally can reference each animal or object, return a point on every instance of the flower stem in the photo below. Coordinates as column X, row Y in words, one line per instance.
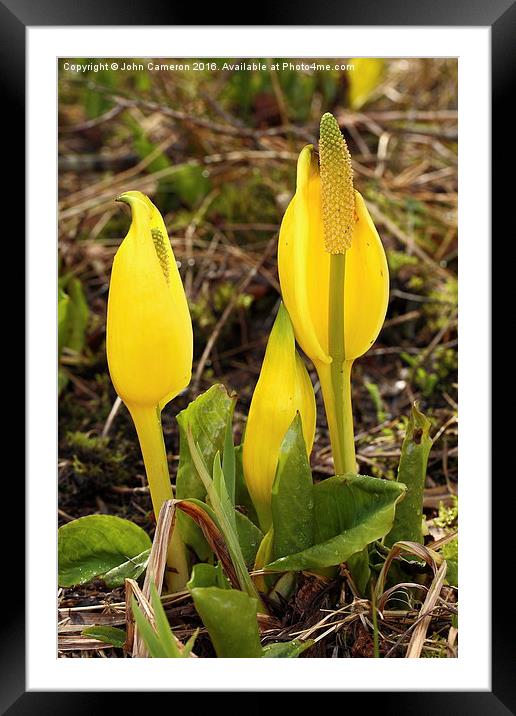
column 339, row 402
column 147, row 421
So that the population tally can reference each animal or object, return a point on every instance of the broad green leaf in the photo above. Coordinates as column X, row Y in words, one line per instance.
column 286, row 649
column 207, row 416
column 94, row 545
column 350, row 512
column 131, row 569
column 230, row 618
column 412, row 473
column 106, row 634
column 292, row 496
column 358, row 565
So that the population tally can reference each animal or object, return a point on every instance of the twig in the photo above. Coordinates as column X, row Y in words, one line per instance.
column 189, row 235
column 112, row 414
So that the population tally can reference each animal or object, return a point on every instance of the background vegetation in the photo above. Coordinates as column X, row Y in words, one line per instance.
column 216, row 152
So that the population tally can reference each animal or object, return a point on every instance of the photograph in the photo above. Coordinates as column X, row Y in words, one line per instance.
column 257, row 313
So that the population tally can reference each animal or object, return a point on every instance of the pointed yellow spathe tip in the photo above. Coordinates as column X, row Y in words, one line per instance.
column 149, row 331
column 283, row 389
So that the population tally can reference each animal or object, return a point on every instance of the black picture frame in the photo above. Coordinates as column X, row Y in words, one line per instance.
column 500, row 16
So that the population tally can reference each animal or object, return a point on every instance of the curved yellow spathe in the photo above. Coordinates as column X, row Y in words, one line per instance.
column 304, row 270
column 149, row 330
column 283, row 389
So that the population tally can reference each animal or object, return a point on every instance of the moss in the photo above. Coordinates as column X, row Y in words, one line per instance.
column 207, row 309
column 448, row 516
column 398, row 259
column 437, row 649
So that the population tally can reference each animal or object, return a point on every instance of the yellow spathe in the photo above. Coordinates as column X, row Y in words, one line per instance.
column 304, row 270
column 364, row 79
column 283, row 389
column 149, row 330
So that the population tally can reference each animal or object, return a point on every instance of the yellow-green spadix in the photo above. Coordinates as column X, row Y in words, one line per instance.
column 283, row 389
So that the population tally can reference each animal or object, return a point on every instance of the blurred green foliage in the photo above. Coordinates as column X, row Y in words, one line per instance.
column 72, row 320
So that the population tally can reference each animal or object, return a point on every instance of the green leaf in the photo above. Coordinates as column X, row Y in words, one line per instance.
column 163, row 630
column 95, row 545
column 242, row 496
column 412, row 473
column 207, row 416
column 130, row 569
column 106, row 634
column 72, row 314
column 149, row 636
column 230, row 618
column 63, row 303
column 220, row 487
column 207, row 575
column 350, row 511
column 226, row 522
column 160, row 641
column 292, row 495
column 249, row 537
column 78, row 315
column 264, row 555
column 228, row 459
column 360, row 569
column 286, row 649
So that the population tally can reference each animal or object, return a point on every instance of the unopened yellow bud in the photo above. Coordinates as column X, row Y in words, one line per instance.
column 337, row 192
column 149, row 330
column 284, row 388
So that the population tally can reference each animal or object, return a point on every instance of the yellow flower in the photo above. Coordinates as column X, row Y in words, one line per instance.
column 283, row 389
column 334, row 277
column 304, row 270
column 149, row 330
column 363, row 79
column 149, row 347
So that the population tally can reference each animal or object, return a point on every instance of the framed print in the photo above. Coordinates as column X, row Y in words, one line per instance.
column 268, row 371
